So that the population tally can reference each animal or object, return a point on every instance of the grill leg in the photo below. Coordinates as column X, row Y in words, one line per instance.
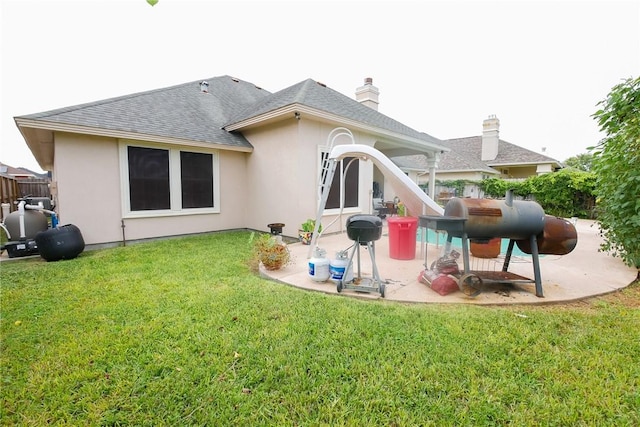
column 536, row 265
column 465, row 253
column 372, row 252
column 507, row 258
column 359, row 269
column 356, row 247
column 376, row 285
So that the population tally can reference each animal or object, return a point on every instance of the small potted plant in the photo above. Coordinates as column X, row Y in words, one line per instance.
column 270, row 251
column 306, row 231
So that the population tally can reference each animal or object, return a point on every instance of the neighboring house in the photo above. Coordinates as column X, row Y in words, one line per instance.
column 19, row 182
column 214, row 155
column 478, row 157
column 19, row 173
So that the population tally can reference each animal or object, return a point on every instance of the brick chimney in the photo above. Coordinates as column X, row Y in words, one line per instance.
column 368, row 94
column 490, row 136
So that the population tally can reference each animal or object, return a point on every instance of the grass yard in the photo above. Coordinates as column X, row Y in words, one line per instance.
column 182, row 332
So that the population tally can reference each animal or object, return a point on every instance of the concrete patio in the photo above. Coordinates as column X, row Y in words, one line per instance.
column 583, row 273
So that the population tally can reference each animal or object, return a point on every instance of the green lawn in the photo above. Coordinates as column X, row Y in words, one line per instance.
column 182, row 332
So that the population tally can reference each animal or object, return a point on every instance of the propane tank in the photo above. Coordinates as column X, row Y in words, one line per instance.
column 340, row 269
column 319, row 265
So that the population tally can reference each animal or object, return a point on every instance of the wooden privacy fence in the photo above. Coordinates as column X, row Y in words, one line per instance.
column 12, row 189
column 9, row 190
column 34, row 187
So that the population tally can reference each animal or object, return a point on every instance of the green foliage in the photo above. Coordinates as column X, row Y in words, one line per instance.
column 272, row 253
column 617, row 166
column 3, row 236
column 181, row 333
column 456, row 184
column 497, row 188
column 309, row 225
column 494, row 187
column 401, row 209
column 583, row 162
column 566, row 193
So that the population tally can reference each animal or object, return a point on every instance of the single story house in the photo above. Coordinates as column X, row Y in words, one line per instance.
column 19, row 173
column 211, row 155
column 478, row 157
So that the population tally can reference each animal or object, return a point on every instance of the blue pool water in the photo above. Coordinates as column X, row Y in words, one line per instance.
column 457, row 242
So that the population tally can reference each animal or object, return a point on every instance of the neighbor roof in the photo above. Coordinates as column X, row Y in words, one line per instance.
column 466, row 154
column 449, row 162
column 471, row 147
column 13, row 172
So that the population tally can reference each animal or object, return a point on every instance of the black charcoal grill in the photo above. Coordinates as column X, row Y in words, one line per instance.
column 364, row 230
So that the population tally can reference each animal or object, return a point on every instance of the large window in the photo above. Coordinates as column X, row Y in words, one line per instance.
column 164, row 180
column 148, row 179
column 196, row 177
column 350, row 181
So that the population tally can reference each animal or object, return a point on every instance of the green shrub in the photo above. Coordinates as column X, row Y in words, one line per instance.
column 566, row 193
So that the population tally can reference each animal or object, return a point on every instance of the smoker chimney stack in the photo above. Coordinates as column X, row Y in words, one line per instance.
column 368, row 94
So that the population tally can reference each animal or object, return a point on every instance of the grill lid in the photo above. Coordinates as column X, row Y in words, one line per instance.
column 364, row 228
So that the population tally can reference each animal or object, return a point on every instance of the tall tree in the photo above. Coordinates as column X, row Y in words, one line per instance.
column 581, row 162
column 617, row 168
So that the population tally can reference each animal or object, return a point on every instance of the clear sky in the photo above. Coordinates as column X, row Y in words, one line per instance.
column 441, row 67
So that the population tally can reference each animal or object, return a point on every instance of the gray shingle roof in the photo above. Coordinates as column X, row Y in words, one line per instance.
column 508, row 154
column 466, row 153
column 185, row 112
column 181, row 111
column 320, row 97
column 450, row 161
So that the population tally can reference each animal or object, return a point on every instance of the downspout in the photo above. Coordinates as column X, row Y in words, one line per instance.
column 124, row 240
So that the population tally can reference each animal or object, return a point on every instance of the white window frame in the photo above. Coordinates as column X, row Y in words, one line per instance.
column 334, row 211
column 175, row 185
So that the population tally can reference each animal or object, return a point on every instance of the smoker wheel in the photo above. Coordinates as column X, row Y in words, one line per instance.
column 470, row 285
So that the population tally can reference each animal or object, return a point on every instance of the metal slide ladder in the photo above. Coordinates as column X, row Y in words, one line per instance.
column 325, row 179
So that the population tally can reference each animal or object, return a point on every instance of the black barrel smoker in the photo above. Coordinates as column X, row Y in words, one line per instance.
column 523, row 222
column 364, row 230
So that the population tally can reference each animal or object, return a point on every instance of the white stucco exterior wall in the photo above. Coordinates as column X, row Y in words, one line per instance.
column 86, row 173
column 87, row 176
column 277, row 182
column 288, row 152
